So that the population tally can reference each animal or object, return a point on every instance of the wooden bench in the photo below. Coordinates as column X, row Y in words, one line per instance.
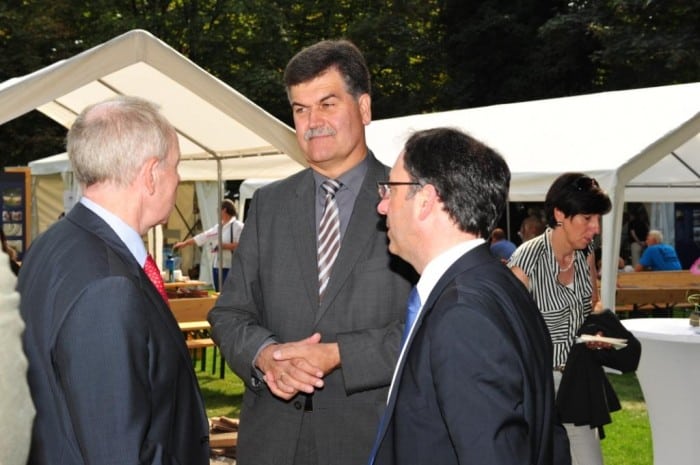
column 656, row 291
column 194, row 311
column 192, row 308
column 682, row 278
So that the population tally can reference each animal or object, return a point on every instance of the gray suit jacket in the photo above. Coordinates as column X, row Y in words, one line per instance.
column 108, row 368
column 272, row 292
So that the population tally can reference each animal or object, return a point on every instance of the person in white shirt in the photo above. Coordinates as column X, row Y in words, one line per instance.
column 231, row 229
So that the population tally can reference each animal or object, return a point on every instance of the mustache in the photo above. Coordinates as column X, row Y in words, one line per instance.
column 316, row 132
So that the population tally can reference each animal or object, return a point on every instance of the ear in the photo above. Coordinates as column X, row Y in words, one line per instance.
column 149, row 175
column 365, row 103
column 559, row 215
column 427, row 201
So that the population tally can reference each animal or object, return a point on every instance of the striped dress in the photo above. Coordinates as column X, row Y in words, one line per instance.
column 563, row 307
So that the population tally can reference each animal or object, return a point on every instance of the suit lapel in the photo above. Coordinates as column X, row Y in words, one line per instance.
column 469, row 260
column 362, row 227
column 84, row 218
column 302, row 210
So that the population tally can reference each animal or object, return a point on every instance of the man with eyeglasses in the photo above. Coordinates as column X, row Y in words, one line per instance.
column 312, row 312
column 473, row 384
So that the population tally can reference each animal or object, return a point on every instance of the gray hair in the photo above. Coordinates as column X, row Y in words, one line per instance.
column 656, row 234
column 111, row 140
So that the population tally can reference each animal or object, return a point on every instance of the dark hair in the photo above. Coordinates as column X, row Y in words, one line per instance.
column 573, row 194
column 471, row 179
column 498, row 234
column 230, row 208
column 315, row 60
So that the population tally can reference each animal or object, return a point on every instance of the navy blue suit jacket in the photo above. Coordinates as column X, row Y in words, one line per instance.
column 109, row 372
column 475, row 385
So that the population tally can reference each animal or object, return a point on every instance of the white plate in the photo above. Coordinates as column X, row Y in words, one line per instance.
column 615, row 342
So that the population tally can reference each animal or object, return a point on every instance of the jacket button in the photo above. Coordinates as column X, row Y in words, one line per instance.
column 297, row 405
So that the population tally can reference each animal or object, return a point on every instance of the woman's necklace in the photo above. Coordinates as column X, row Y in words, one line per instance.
column 565, row 268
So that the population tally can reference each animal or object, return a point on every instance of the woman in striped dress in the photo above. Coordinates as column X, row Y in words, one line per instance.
column 558, row 267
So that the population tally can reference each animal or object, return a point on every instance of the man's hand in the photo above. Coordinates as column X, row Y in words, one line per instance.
column 310, row 357
column 286, row 377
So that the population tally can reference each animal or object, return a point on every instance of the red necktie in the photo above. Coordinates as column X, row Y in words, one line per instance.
column 153, row 274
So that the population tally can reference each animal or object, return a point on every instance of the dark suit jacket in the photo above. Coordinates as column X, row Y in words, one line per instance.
column 109, row 372
column 475, row 386
column 272, row 293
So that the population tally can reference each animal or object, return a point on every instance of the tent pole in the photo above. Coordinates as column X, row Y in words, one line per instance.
column 220, row 249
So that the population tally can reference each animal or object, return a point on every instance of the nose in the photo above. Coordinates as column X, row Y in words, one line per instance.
column 595, row 224
column 383, row 206
column 315, row 119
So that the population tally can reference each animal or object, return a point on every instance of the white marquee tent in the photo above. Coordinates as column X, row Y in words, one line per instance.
column 214, row 121
column 222, row 134
column 641, row 145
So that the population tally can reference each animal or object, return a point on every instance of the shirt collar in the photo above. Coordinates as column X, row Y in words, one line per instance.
column 126, row 233
column 351, row 179
column 440, row 264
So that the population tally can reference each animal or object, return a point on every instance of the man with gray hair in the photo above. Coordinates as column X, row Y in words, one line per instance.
column 108, row 367
column 658, row 256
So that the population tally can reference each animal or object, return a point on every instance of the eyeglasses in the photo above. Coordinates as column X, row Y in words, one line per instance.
column 384, row 187
column 585, row 183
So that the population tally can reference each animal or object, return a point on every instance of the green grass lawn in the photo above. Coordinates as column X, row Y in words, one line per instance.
column 627, row 439
column 222, row 397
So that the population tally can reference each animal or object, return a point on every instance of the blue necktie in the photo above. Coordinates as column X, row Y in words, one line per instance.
column 411, row 313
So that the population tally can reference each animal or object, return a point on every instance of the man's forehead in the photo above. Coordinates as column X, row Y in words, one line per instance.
column 398, row 169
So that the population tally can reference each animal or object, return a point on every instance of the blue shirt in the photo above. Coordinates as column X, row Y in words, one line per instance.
column 660, row 257
column 126, row 233
column 503, row 249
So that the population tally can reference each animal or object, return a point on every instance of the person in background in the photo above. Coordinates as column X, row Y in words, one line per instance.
column 15, row 398
column 109, row 371
column 658, row 256
column 231, row 230
column 315, row 339
column 558, row 267
column 500, row 246
column 11, row 253
column 638, row 228
column 531, row 226
column 473, row 380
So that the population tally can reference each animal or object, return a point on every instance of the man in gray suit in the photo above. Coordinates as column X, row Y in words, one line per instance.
column 316, row 356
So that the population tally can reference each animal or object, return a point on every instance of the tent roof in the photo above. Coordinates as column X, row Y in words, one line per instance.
column 641, row 145
column 267, row 167
column 212, row 119
column 646, row 139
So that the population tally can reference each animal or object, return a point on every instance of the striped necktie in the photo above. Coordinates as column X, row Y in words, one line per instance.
column 328, row 235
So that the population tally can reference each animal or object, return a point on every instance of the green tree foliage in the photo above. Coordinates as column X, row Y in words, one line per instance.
column 625, row 43
column 424, row 55
column 646, row 42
